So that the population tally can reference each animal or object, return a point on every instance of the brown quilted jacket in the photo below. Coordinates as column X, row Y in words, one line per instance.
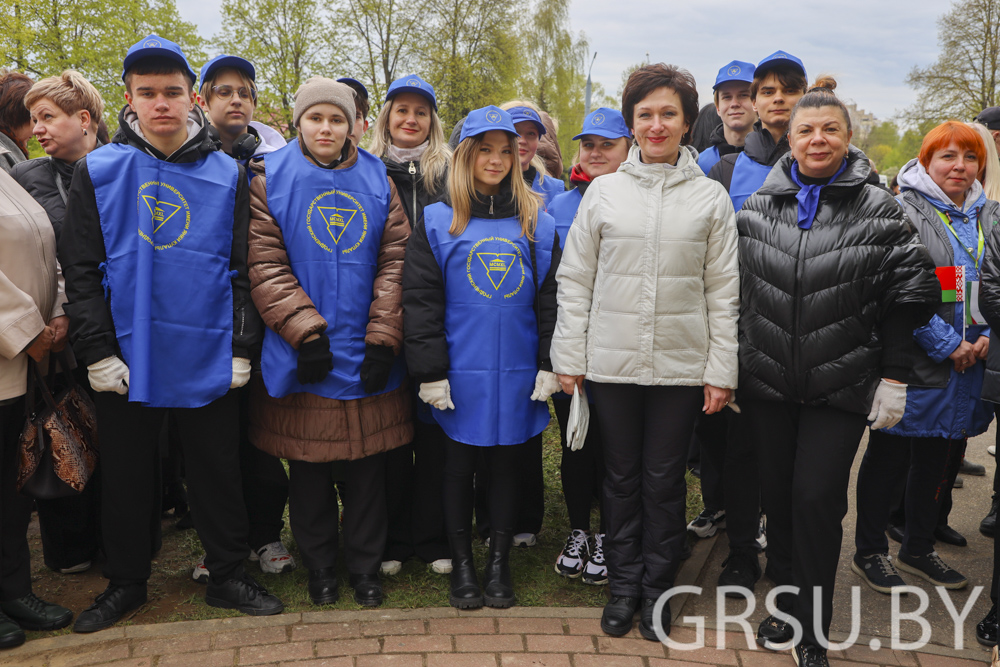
column 304, row 426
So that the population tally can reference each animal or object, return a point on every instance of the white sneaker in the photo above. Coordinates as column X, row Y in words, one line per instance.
column 574, row 553
column 762, row 533
column 200, row 573
column 595, row 572
column 274, row 558
column 525, row 540
column 992, row 449
column 441, row 566
column 708, row 522
column 391, row 567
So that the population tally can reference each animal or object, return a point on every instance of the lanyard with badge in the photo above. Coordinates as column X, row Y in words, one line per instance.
column 971, row 295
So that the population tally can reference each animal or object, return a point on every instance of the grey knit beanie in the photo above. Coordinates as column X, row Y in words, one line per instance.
column 321, row 90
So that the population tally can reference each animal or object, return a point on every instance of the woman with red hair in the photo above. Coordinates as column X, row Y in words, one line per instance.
column 943, row 199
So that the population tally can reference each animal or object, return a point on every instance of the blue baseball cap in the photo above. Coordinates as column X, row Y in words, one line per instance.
column 155, row 46
column 355, row 84
column 523, row 114
column 736, row 70
column 412, row 84
column 242, row 64
column 486, row 119
column 604, row 122
column 779, row 58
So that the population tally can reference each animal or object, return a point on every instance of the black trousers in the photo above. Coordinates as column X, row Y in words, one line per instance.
column 130, row 485
column 646, row 432
column 414, row 484
column 730, row 479
column 805, row 457
column 888, row 460
column 460, row 466
column 15, row 509
column 315, row 519
column 530, row 489
column 265, row 484
column 582, row 471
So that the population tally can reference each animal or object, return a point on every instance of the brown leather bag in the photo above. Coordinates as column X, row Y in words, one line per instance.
column 58, row 445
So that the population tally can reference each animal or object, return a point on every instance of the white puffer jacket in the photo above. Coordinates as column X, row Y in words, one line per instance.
column 649, row 288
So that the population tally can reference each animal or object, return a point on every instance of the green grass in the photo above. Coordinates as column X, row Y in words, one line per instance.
column 535, row 581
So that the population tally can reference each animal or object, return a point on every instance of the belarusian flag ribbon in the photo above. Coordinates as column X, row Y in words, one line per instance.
column 952, row 279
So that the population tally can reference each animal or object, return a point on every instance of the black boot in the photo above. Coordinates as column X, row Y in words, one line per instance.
column 498, row 590
column 465, row 592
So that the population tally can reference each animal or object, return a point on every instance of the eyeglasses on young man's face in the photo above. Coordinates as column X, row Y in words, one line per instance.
column 225, row 92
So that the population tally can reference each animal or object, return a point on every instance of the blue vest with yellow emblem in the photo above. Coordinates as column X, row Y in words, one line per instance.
column 563, row 210
column 332, row 222
column 708, row 158
column 748, row 176
column 168, row 236
column 490, row 325
column 548, row 188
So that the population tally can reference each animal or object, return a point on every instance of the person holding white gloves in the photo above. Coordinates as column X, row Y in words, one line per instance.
column 833, row 279
column 479, row 308
column 154, row 252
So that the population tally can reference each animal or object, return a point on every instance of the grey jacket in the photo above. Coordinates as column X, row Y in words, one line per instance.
column 10, row 154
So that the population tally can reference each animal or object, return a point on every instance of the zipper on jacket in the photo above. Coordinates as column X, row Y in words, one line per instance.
column 491, row 204
column 413, row 183
column 796, row 318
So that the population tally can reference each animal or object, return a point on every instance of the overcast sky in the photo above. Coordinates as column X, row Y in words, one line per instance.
column 867, row 45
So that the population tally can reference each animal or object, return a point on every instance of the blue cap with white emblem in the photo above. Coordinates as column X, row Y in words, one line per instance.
column 736, row 70
column 523, row 114
column 486, row 119
column 155, row 46
column 604, row 122
column 412, row 84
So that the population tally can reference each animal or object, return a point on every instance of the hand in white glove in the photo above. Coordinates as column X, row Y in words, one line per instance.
column 888, row 405
column 437, row 394
column 109, row 374
column 241, row 372
column 546, row 384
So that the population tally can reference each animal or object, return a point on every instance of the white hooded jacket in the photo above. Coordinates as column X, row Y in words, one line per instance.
column 649, row 279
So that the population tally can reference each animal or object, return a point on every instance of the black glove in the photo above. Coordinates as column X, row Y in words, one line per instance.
column 315, row 360
column 376, row 367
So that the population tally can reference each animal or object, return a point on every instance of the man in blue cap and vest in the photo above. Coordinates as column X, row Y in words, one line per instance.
column 778, row 83
column 735, row 108
column 154, row 251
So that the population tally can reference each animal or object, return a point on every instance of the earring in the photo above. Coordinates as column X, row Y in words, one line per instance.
column 84, row 133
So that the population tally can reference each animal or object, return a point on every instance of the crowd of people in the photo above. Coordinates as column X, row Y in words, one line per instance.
column 392, row 322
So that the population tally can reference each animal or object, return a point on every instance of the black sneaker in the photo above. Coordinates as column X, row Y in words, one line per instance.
column 877, row 571
column 741, row 568
column 986, row 629
column 708, row 522
column 988, row 526
column 595, row 572
column 933, row 569
column 32, row 613
column 110, row 606
column 244, row 594
column 774, row 634
column 810, row 655
column 573, row 556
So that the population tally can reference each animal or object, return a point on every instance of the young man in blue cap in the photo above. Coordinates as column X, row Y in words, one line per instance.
column 735, row 108
column 228, row 96
column 362, row 105
column 154, row 251
column 778, row 83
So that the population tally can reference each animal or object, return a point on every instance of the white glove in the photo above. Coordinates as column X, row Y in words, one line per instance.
column 109, row 374
column 241, row 372
column 546, row 384
column 437, row 394
column 888, row 405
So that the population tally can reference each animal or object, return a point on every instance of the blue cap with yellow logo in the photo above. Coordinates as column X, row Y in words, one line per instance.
column 604, row 122
column 155, row 46
column 487, row 119
column 522, row 114
column 737, row 70
column 780, row 58
column 412, row 84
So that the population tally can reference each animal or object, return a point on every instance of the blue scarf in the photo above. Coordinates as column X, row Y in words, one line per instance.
column 808, row 195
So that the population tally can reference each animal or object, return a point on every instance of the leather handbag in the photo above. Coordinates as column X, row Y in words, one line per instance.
column 58, row 446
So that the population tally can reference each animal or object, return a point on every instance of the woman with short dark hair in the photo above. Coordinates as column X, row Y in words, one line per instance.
column 648, row 299
column 15, row 121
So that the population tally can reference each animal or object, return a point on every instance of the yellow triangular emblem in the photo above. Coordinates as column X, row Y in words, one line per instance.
column 497, row 265
column 160, row 210
column 336, row 222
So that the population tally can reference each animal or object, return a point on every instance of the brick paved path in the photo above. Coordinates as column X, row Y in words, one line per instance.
column 529, row 637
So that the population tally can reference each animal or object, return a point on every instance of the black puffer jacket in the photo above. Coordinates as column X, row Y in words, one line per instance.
column 989, row 297
column 409, row 181
column 813, row 301
column 41, row 178
column 81, row 251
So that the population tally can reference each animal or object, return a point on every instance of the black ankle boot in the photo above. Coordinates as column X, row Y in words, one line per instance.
column 465, row 592
column 498, row 590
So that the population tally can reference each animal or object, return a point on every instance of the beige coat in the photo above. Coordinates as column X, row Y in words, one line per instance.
column 304, row 426
column 649, row 288
column 31, row 287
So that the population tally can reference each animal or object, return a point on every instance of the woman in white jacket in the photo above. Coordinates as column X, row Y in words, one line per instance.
column 648, row 303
